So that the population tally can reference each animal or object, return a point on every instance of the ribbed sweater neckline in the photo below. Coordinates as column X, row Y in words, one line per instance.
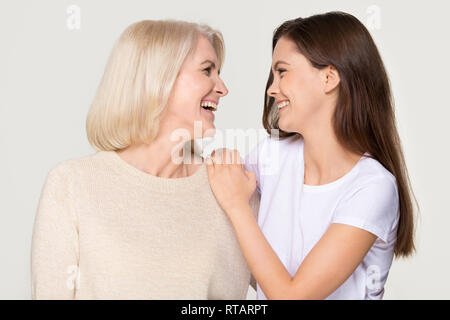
column 120, row 166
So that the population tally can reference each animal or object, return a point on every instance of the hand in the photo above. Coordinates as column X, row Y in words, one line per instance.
column 231, row 183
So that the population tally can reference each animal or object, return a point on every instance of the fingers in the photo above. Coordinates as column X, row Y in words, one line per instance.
column 209, row 162
column 251, row 176
column 226, row 157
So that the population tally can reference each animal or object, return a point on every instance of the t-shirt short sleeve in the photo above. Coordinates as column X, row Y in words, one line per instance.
column 372, row 207
column 251, row 164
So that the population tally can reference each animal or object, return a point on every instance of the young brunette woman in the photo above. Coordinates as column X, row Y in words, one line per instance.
column 336, row 202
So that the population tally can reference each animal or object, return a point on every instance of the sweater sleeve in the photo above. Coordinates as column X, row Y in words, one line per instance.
column 254, row 204
column 54, row 249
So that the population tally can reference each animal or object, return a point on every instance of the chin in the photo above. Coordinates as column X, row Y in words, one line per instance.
column 283, row 126
column 209, row 132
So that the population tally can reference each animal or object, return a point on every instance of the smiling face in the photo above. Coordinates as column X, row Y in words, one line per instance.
column 196, row 92
column 302, row 92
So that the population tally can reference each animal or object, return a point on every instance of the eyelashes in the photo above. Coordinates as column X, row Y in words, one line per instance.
column 208, row 70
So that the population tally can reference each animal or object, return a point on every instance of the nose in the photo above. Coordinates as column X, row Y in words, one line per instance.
column 273, row 88
column 220, row 88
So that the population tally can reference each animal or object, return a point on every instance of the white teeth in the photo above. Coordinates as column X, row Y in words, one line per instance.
column 209, row 104
column 282, row 104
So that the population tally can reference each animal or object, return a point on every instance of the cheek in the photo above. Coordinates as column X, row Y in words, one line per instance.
column 184, row 106
column 186, row 95
column 195, row 88
column 303, row 94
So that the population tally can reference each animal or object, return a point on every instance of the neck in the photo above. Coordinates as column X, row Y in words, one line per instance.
column 162, row 157
column 326, row 160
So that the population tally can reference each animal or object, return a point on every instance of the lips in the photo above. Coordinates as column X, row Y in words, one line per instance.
column 282, row 104
column 209, row 104
column 209, row 113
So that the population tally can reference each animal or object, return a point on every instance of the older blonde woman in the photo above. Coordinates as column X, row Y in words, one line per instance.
column 138, row 219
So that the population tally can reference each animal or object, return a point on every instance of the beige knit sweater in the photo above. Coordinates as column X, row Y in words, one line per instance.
column 106, row 230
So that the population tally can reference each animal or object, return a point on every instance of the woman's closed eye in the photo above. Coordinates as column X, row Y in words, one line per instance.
column 280, row 71
column 207, row 70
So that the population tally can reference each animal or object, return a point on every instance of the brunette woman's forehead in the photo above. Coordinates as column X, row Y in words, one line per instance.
column 284, row 47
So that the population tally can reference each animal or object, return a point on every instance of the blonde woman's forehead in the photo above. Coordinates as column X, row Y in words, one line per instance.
column 204, row 51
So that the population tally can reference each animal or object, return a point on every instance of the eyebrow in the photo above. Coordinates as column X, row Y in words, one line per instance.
column 280, row 62
column 209, row 61
column 213, row 65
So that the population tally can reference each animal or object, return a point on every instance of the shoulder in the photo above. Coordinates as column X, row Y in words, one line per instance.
column 372, row 172
column 76, row 167
column 373, row 186
column 271, row 155
column 371, row 201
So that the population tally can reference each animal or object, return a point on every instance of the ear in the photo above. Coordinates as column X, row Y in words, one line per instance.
column 331, row 79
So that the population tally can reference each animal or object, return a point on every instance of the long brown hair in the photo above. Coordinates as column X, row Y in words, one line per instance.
column 364, row 118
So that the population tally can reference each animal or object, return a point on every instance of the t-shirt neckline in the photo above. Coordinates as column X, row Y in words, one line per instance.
column 333, row 184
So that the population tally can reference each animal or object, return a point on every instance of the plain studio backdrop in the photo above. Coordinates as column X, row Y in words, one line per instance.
column 53, row 54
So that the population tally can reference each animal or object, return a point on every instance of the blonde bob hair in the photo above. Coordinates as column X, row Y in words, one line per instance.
column 138, row 77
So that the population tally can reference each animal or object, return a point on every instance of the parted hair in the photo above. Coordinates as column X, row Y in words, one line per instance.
column 364, row 116
column 139, row 75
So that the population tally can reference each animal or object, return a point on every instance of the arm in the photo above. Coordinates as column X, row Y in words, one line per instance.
column 332, row 260
column 54, row 252
column 328, row 265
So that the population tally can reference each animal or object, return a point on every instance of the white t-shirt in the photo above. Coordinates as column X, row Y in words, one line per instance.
column 294, row 216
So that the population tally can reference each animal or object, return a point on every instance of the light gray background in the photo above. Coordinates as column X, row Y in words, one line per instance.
column 49, row 73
